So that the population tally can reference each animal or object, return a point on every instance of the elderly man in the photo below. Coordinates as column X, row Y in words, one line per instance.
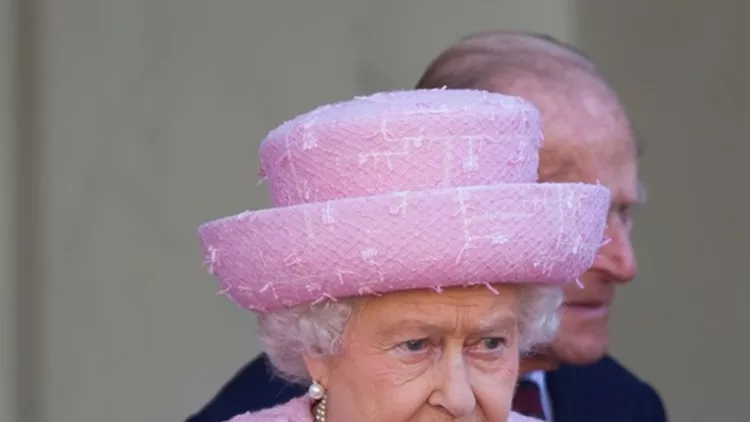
column 588, row 139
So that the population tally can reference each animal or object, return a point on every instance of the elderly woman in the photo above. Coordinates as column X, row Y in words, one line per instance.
column 409, row 256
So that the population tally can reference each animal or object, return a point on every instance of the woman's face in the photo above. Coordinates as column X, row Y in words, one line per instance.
column 426, row 356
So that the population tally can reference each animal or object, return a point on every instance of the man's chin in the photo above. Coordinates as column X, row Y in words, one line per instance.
column 579, row 350
column 570, row 350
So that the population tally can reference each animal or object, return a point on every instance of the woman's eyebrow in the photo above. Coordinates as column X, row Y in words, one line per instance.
column 492, row 324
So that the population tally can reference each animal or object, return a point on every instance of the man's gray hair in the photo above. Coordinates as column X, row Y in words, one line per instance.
column 489, row 58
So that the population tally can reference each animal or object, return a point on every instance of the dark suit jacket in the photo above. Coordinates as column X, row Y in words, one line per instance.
column 601, row 392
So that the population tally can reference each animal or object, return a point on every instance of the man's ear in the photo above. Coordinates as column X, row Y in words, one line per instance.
column 319, row 368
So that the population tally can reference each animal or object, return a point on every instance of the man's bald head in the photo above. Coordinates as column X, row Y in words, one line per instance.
column 588, row 138
column 501, row 57
column 557, row 78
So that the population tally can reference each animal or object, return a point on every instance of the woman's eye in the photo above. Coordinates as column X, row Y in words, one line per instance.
column 493, row 343
column 414, row 345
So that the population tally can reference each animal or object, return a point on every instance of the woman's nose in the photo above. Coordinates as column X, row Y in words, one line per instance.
column 453, row 390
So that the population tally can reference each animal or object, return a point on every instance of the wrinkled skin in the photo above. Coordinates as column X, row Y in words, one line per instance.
column 588, row 138
column 422, row 356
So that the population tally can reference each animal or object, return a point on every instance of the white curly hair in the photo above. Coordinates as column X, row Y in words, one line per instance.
column 318, row 328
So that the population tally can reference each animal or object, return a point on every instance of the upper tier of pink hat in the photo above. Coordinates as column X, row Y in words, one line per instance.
column 461, row 138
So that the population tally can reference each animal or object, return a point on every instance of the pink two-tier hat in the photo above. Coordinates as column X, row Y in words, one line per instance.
column 404, row 190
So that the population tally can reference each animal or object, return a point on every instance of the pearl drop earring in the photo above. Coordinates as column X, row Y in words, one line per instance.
column 316, row 391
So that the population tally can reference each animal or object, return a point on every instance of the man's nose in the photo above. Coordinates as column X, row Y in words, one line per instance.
column 453, row 391
column 616, row 257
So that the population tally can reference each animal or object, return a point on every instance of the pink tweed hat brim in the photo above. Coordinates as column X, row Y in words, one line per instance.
column 344, row 226
column 428, row 239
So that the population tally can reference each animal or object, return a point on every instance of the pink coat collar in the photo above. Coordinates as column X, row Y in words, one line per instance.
column 298, row 410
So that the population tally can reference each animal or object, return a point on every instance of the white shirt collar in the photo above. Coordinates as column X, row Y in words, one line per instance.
column 539, row 378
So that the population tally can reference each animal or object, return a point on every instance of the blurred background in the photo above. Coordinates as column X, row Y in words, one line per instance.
column 125, row 124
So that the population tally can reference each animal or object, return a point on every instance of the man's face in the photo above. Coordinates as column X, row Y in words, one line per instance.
column 588, row 138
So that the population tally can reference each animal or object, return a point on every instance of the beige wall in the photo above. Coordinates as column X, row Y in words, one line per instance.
column 8, row 291
column 683, row 73
column 149, row 114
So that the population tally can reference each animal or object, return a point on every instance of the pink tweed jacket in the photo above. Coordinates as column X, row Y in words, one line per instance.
column 298, row 410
